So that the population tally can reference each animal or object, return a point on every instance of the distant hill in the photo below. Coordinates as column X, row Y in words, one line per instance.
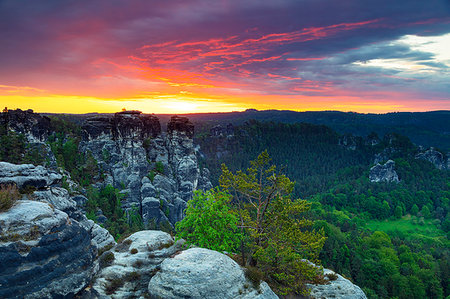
column 423, row 128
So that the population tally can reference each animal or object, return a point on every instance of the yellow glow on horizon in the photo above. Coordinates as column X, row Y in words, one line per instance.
column 184, row 104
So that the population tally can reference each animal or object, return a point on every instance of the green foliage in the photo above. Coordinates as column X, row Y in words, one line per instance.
column 414, row 210
column 277, row 234
column 159, row 167
column 8, row 196
column 151, row 175
column 82, row 166
column 108, row 199
column 398, row 212
column 209, row 222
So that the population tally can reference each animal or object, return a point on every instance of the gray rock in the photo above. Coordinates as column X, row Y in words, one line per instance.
column 204, row 273
column 24, row 175
column 436, row 158
column 384, row 173
column 136, row 260
column 148, row 190
column 151, row 210
column 60, row 199
column 127, row 147
column 44, row 253
column 339, row 288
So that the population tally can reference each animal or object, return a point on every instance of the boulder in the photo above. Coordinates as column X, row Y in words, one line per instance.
column 128, row 267
column 204, row 273
column 384, row 173
column 44, row 253
column 27, row 175
column 336, row 288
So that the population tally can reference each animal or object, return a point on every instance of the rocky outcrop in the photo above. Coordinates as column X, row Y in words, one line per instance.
column 383, row 173
column 181, row 125
column 349, row 141
column 128, row 267
column 45, row 183
column 204, row 273
column 27, row 175
column 439, row 160
column 35, row 127
column 156, row 172
column 337, row 287
column 44, row 253
column 221, row 131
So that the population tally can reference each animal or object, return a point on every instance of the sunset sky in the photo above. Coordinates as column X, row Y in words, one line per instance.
column 183, row 56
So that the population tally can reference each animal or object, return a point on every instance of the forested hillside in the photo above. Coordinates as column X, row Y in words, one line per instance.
column 389, row 238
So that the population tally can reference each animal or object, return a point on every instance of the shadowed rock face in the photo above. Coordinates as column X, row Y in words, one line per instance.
column 126, row 124
column 384, row 173
column 43, row 253
column 180, row 124
column 34, row 126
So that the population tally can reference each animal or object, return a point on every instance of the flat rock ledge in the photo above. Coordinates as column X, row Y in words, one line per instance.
column 203, row 273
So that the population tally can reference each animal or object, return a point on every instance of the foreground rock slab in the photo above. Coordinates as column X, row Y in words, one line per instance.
column 338, row 288
column 204, row 273
column 127, row 268
column 43, row 253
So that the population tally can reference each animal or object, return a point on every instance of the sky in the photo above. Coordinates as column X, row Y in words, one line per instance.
column 187, row 56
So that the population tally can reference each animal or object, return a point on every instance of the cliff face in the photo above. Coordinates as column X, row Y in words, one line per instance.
column 47, row 245
column 157, row 172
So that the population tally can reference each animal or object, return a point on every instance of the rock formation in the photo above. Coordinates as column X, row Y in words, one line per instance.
column 204, row 273
column 383, row 173
column 46, row 189
column 128, row 267
column 44, row 253
column 35, row 127
column 27, row 175
column 157, row 172
column 337, row 287
column 349, row 141
column 436, row 158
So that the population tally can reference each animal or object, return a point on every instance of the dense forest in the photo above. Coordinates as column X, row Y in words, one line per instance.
column 389, row 238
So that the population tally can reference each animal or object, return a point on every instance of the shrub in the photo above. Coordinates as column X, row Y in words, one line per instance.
column 132, row 276
column 151, row 175
column 106, row 259
column 332, row 276
column 8, row 196
column 159, row 167
column 253, row 275
column 113, row 286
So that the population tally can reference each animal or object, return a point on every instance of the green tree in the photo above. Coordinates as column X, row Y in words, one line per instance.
column 398, row 212
column 210, row 222
column 414, row 210
column 425, row 212
column 278, row 236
